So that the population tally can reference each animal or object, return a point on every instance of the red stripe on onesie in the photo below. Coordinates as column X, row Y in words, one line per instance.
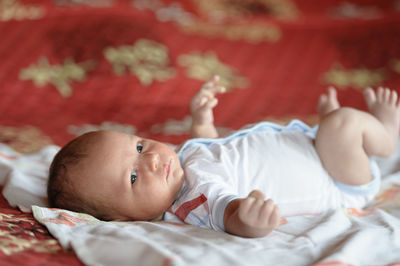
column 9, row 157
column 183, row 211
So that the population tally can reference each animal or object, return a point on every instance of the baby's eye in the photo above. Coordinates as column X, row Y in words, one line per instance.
column 139, row 147
column 133, row 177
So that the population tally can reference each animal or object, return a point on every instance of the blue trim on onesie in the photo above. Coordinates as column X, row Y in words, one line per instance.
column 364, row 190
column 292, row 126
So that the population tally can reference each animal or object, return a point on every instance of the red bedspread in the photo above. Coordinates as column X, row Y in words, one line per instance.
column 71, row 66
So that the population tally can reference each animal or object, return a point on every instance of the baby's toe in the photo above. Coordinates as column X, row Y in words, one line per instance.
column 370, row 96
column 332, row 93
column 393, row 97
column 380, row 94
column 323, row 99
column 386, row 95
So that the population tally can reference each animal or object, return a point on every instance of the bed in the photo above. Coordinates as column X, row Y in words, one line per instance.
column 68, row 67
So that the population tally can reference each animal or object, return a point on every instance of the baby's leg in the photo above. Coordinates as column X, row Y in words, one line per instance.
column 347, row 137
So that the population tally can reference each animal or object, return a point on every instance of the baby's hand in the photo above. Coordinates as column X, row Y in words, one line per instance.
column 204, row 101
column 258, row 215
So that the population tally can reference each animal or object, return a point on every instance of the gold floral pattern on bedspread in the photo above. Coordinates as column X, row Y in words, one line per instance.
column 223, row 9
column 203, row 66
column 14, row 10
column 227, row 19
column 20, row 232
column 252, row 33
column 146, row 59
column 395, row 64
column 359, row 78
column 59, row 75
column 25, row 139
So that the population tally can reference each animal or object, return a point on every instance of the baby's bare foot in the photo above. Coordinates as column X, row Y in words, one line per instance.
column 328, row 102
column 384, row 105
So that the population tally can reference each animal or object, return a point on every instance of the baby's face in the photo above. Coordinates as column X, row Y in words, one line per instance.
column 138, row 178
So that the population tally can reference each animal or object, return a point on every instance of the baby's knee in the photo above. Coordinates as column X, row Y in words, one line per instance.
column 341, row 120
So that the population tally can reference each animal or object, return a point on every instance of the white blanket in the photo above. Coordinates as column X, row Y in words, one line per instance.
column 24, row 177
column 341, row 237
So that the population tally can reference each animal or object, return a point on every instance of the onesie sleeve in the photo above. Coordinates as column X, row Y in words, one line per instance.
column 208, row 187
column 201, row 208
column 218, row 211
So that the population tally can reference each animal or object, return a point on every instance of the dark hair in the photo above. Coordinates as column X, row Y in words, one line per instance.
column 60, row 189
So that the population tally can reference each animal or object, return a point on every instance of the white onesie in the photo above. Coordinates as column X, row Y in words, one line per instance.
column 281, row 161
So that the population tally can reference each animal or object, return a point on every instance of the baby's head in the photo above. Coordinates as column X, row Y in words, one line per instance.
column 115, row 176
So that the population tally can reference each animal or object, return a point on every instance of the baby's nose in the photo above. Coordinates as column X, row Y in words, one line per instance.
column 152, row 160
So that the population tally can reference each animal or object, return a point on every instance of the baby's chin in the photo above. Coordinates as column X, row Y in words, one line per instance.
column 155, row 215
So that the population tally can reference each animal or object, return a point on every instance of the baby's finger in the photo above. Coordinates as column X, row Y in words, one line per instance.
column 275, row 218
column 211, row 103
column 215, row 79
column 212, row 82
column 254, row 211
column 198, row 101
column 266, row 210
column 217, row 89
column 213, row 86
column 212, row 90
column 245, row 207
column 257, row 194
column 203, row 101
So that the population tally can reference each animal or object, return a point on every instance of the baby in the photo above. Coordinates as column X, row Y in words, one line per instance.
column 243, row 183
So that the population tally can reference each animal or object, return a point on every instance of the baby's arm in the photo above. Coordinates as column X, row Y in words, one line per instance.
column 201, row 107
column 252, row 216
